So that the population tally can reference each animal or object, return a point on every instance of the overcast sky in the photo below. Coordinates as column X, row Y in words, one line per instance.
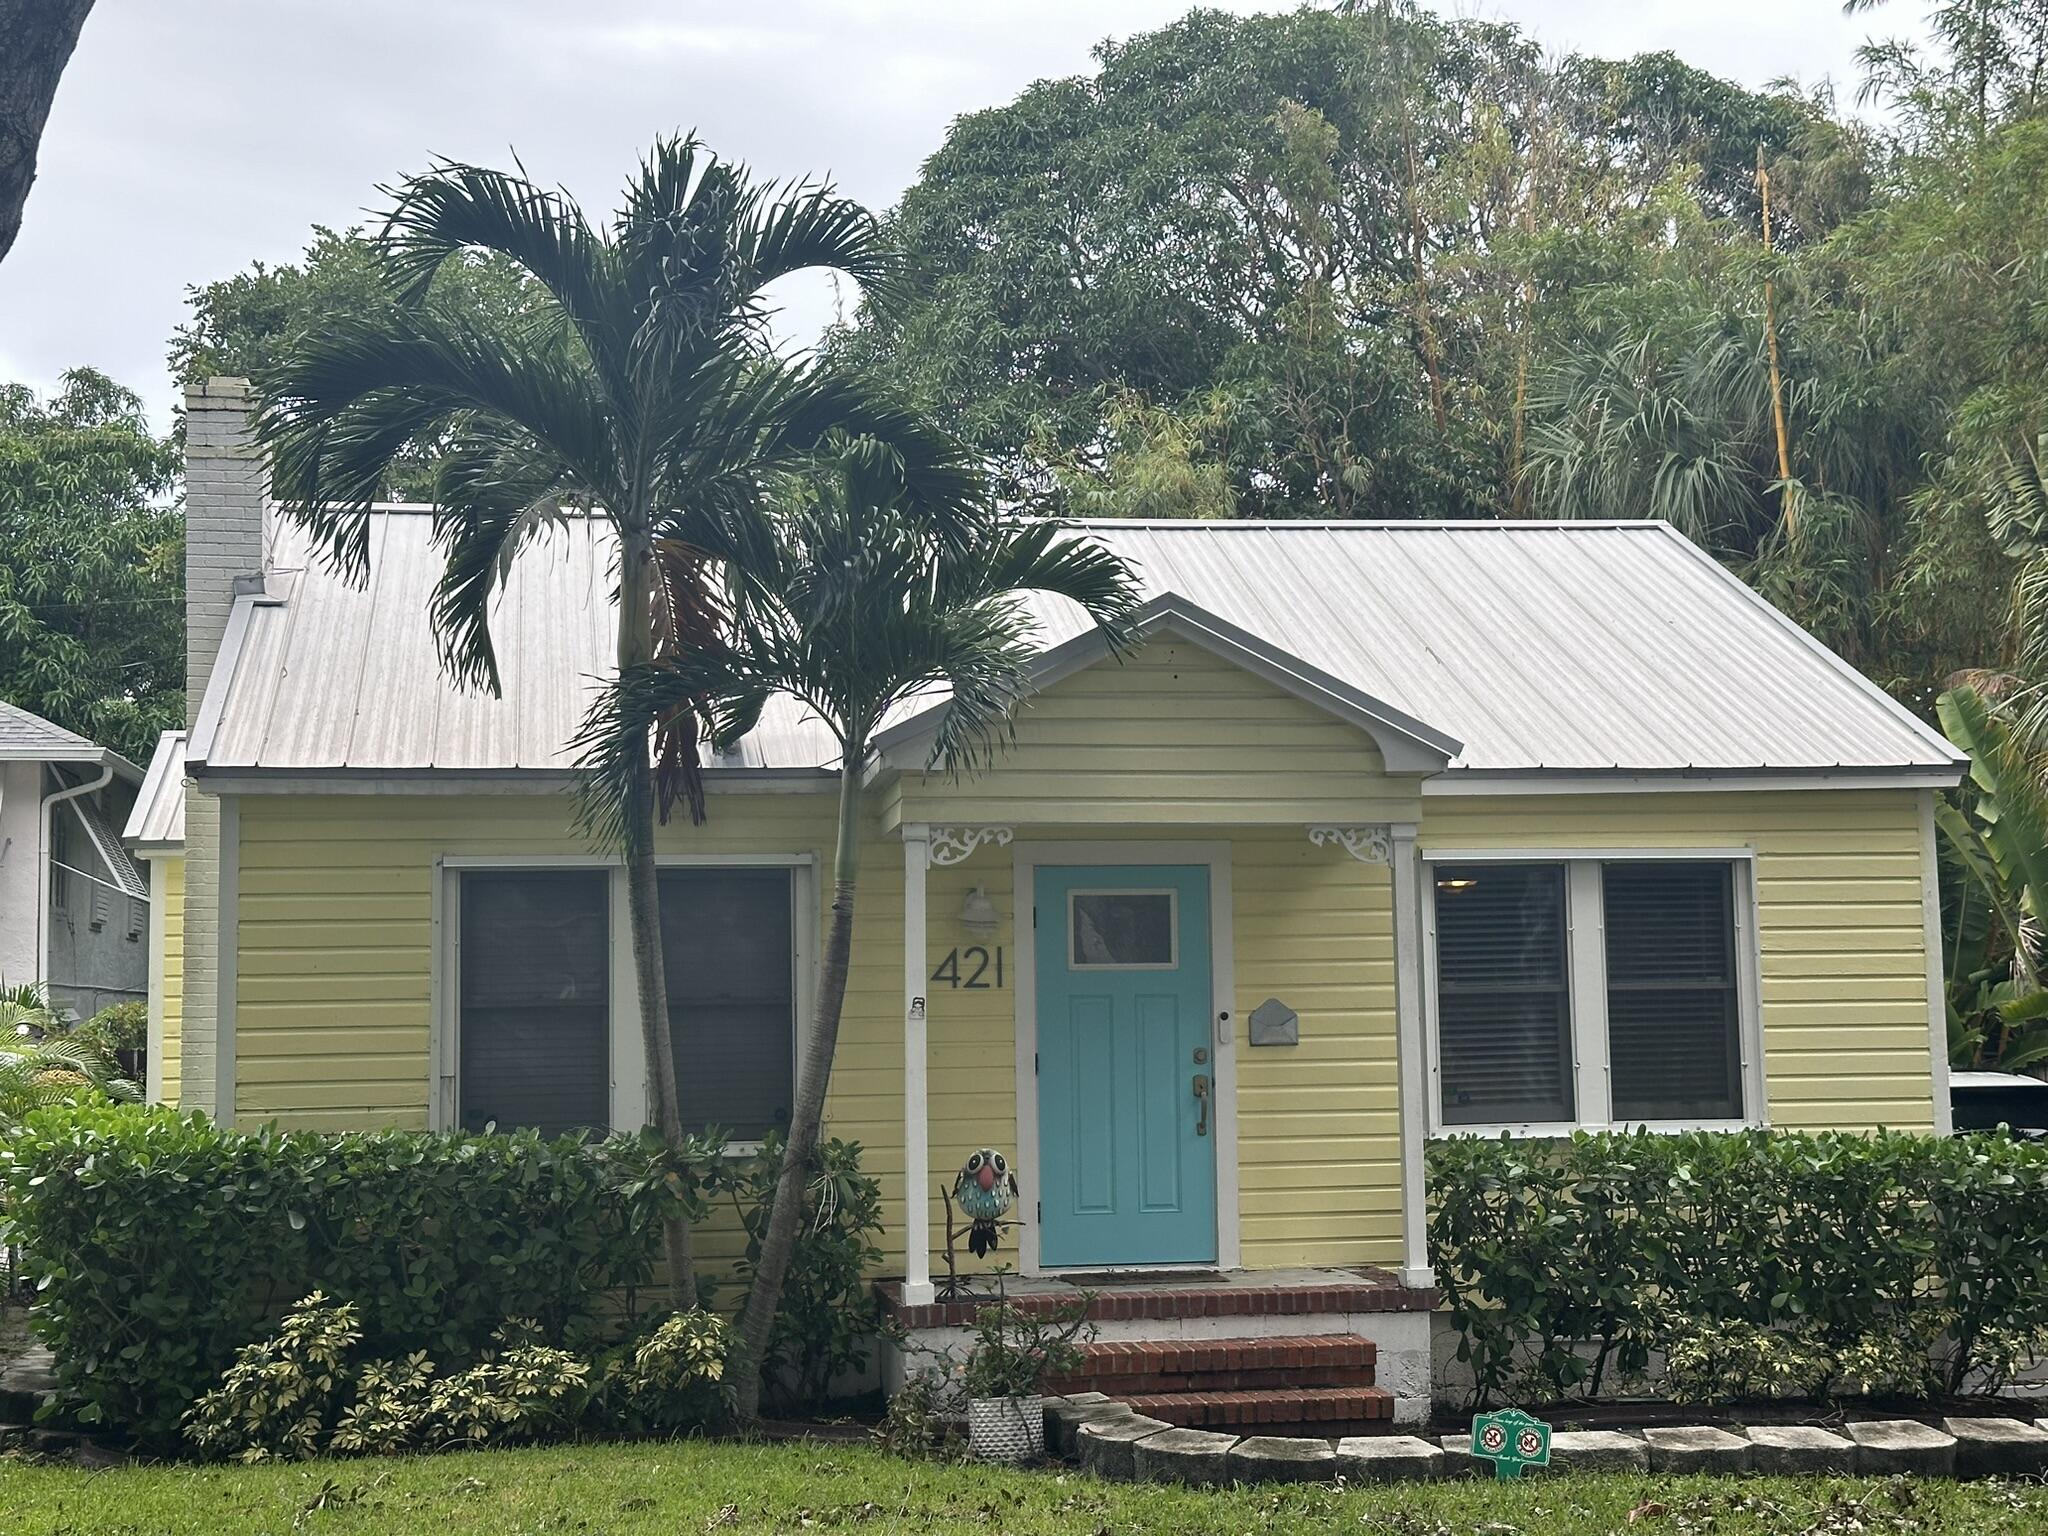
column 191, row 137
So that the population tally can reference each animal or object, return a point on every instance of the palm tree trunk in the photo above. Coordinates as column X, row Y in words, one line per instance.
column 806, row 1122
column 643, row 905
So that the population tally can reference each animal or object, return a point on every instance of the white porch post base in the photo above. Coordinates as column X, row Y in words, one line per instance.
column 917, row 1235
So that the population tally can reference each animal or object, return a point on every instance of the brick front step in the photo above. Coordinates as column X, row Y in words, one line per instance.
column 1314, row 1411
column 1336, row 1294
column 1158, row 1366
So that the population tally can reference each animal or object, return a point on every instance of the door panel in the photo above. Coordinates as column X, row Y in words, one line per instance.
column 1126, row 1150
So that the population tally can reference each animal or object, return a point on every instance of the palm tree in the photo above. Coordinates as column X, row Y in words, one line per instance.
column 42, row 1065
column 864, row 603
column 639, row 388
column 1996, row 834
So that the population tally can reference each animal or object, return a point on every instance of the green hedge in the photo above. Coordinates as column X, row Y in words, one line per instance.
column 1754, row 1263
column 160, row 1244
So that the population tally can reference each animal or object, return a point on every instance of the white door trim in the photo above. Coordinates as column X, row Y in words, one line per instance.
column 1026, row 857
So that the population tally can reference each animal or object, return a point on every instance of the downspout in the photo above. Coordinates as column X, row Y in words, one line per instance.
column 50, row 802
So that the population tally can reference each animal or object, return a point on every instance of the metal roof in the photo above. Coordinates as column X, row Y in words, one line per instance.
column 158, row 818
column 1543, row 648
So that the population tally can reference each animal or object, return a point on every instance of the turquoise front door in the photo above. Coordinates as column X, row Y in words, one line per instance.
column 1126, row 1110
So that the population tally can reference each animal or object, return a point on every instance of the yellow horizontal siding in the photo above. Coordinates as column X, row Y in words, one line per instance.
column 335, row 961
column 1169, row 736
column 1839, row 925
column 168, row 873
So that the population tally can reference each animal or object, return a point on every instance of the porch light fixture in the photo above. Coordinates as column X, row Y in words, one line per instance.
column 978, row 915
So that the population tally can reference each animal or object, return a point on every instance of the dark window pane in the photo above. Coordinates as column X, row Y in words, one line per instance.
column 1672, row 1009
column 728, row 950
column 1503, row 1005
column 1123, row 928
column 535, row 1027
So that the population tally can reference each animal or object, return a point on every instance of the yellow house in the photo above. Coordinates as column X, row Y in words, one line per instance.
column 1381, row 832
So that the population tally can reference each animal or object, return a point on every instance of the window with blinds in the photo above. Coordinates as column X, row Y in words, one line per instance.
column 535, row 1026
column 728, row 948
column 1503, row 994
column 1673, row 1016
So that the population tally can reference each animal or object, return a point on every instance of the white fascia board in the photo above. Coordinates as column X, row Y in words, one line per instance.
column 1568, row 781
column 489, row 781
column 102, row 756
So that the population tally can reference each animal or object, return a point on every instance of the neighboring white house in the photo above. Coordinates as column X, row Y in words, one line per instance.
column 74, row 907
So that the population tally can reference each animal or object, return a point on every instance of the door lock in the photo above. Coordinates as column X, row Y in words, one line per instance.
column 1202, row 1101
column 1201, row 1055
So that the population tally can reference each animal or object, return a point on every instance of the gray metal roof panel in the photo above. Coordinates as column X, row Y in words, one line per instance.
column 157, row 819
column 1587, row 647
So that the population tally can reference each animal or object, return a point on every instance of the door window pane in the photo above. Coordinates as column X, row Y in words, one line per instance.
column 1672, row 1008
column 1503, row 1003
column 535, row 1037
column 727, row 946
column 1122, row 928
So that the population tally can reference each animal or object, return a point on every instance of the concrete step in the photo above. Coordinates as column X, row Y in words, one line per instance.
column 1122, row 1368
column 1311, row 1411
column 25, row 1381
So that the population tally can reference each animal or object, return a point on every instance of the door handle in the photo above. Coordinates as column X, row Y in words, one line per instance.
column 1202, row 1100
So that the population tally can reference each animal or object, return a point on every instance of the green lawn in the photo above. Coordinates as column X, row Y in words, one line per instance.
column 689, row 1489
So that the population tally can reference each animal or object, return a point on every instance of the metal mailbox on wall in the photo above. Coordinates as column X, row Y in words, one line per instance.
column 1274, row 1023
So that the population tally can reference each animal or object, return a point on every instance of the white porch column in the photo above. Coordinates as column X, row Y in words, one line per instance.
column 917, row 1236
column 1411, row 1053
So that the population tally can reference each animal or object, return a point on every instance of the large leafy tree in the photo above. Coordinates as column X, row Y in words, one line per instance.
column 245, row 324
column 1322, row 241
column 861, row 602
column 641, row 391
column 91, row 564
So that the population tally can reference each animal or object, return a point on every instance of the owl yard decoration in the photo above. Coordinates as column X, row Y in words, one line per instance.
column 985, row 1192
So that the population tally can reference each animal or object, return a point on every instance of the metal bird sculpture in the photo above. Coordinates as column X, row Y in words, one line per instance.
column 985, row 1191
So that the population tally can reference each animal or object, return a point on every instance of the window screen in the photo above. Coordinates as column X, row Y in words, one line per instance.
column 535, row 1026
column 727, row 947
column 1503, row 1004
column 1672, row 1009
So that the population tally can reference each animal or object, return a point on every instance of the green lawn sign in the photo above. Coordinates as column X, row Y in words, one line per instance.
column 1511, row 1440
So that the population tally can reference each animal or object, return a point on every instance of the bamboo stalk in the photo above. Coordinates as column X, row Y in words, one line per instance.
column 1786, row 510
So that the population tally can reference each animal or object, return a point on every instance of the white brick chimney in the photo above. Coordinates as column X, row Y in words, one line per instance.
column 226, row 493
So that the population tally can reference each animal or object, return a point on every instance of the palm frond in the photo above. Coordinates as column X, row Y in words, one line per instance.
column 497, row 492
column 345, row 402
column 456, row 207
column 870, row 603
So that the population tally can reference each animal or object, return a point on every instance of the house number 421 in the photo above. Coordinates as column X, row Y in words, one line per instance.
column 977, row 969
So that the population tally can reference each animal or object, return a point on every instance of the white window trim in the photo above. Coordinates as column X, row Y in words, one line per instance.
column 630, row 1086
column 1586, row 990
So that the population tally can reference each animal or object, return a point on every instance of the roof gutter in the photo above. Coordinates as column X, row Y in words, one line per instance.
column 48, row 810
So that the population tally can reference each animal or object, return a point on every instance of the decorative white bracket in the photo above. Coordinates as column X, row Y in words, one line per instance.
column 1368, row 845
column 950, row 845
